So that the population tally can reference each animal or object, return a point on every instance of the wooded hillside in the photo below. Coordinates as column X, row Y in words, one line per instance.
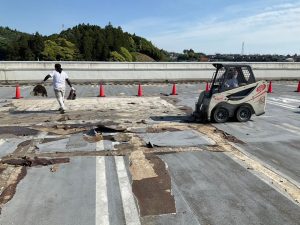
column 82, row 42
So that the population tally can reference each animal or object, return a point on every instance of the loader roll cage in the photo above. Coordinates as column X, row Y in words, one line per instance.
column 225, row 73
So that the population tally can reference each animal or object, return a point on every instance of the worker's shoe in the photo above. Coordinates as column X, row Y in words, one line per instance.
column 59, row 109
column 62, row 111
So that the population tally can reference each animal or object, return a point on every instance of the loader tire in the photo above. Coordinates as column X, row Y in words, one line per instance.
column 243, row 114
column 220, row 115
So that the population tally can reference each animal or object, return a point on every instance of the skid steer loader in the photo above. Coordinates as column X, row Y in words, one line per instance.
column 234, row 93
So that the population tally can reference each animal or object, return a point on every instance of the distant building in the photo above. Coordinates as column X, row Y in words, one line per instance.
column 289, row 60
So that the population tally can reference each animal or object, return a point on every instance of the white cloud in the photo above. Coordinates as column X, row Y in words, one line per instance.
column 273, row 30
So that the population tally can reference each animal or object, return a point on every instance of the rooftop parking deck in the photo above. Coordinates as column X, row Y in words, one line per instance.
column 105, row 160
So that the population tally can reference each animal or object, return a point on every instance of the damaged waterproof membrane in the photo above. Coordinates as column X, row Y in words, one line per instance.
column 140, row 129
column 53, row 135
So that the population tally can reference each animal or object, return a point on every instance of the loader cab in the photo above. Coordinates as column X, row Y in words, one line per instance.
column 230, row 76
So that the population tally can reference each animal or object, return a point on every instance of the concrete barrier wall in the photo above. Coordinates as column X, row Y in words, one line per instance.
column 118, row 71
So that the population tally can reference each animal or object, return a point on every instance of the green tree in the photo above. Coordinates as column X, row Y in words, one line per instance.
column 87, row 47
column 23, row 49
column 126, row 54
column 60, row 49
column 36, row 44
column 115, row 56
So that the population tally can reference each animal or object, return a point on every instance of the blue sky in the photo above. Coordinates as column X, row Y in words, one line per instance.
column 215, row 26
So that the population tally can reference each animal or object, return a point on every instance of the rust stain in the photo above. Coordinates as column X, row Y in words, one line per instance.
column 154, row 194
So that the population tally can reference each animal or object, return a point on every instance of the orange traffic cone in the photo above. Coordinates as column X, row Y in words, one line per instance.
column 207, row 87
column 140, row 91
column 101, row 94
column 18, row 92
column 298, row 88
column 174, row 90
column 270, row 89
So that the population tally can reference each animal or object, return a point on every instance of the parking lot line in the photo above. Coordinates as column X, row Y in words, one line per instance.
column 102, row 217
column 130, row 209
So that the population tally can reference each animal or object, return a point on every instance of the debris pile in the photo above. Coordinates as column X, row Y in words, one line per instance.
column 39, row 90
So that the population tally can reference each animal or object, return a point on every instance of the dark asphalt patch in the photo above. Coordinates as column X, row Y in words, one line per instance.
column 154, row 194
column 24, row 144
column 18, row 131
column 36, row 161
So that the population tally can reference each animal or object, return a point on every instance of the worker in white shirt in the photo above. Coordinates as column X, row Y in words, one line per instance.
column 59, row 85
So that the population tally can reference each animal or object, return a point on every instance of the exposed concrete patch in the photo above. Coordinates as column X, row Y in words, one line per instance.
column 25, row 147
column 156, row 129
column 122, row 137
column 93, row 138
column 64, row 129
column 64, row 118
column 140, row 167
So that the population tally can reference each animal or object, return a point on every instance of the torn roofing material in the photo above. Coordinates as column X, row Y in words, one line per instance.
column 186, row 138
